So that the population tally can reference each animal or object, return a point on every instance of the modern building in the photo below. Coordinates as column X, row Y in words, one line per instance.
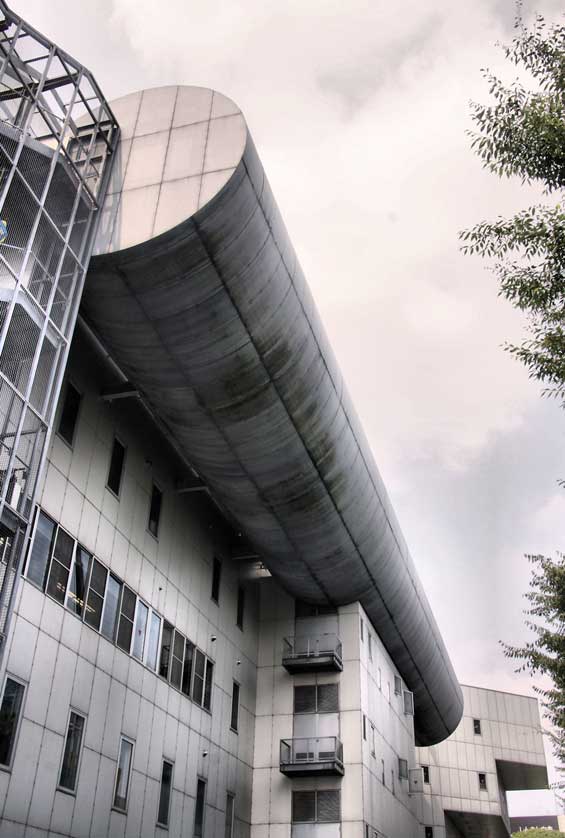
column 210, row 622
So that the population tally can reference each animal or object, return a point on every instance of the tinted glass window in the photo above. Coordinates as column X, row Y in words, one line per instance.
column 122, row 775
column 9, row 716
column 95, row 599
column 165, row 793
column 235, row 706
column 164, row 659
column 111, row 606
column 79, row 580
column 69, row 414
column 127, row 614
column 199, row 809
column 71, row 756
column 187, row 667
column 177, row 660
column 155, row 511
column 60, row 566
column 199, row 670
column 41, row 549
column 116, row 467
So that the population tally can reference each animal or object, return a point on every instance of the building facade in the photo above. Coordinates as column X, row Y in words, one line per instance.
column 211, row 622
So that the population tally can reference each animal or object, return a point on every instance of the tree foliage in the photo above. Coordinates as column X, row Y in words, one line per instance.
column 538, row 833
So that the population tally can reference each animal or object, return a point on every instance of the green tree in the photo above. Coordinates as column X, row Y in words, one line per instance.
column 538, row 833
column 521, row 133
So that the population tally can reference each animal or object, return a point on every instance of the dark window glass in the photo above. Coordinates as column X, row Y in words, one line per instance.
column 199, row 668
column 477, row 726
column 208, row 684
column 116, row 467
column 228, row 828
column 165, row 656
column 235, row 706
column 79, row 580
column 111, row 608
column 155, row 510
column 153, row 641
column 199, row 809
column 165, row 793
column 240, row 607
column 397, row 685
column 303, row 806
column 127, row 614
column 140, row 629
column 187, row 667
column 408, row 702
column 60, row 566
column 429, row 832
column 364, row 727
column 426, row 771
column 177, row 660
column 69, row 414
column 71, row 756
column 216, row 575
column 327, row 698
column 402, row 769
column 312, row 698
column 305, row 699
column 95, row 598
column 328, row 806
column 483, row 782
column 41, row 549
column 122, row 775
column 9, row 717
column 361, row 630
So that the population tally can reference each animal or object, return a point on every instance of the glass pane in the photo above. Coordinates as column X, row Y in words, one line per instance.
column 187, row 667
column 235, row 706
column 228, row 830
column 178, row 647
column 79, row 577
column 57, row 584
column 125, row 631
column 98, row 578
column 9, row 715
column 199, row 809
column 93, row 610
column 122, row 777
column 116, row 467
column 140, row 626
column 165, row 650
column 208, row 687
column 128, row 603
column 198, row 686
column 111, row 605
column 69, row 769
column 69, row 414
column 153, row 641
column 41, row 549
column 64, row 545
column 303, row 806
column 155, row 511
column 176, row 672
column 165, row 793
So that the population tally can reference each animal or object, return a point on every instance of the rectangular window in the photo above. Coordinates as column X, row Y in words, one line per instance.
column 95, row 598
column 115, row 471
column 402, row 769
column 41, row 549
column 139, row 631
column 361, row 630
column 10, row 710
column 71, row 755
column 60, row 566
column 383, row 772
column 234, row 706
column 127, row 616
column 379, row 678
column 76, row 594
column 477, row 727
column 397, row 685
column 177, row 660
column 152, row 650
column 370, row 641
column 69, row 414
column 316, row 698
column 199, row 809
column 392, row 780
column 428, row 832
column 408, row 703
column 216, row 576
column 199, row 672
column 240, row 607
column 123, row 774
column 165, row 793
column 187, row 667
column 155, row 511
column 373, row 744
column 482, row 782
column 165, row 657
column 316, row 806
column 426, row 773
column 207, row 703
column 364, row 727
column 111, row 608
column 230, row 807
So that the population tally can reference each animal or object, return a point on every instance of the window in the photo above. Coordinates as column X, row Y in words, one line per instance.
column 316, row 698
column 402, row 769
column 235, row 706
column 187, row 667
column 482, row 782
column 426, row 773
column 202, row 686
column 111, row 607
column 71, row 754
column 95, row 598
column 122, row 775
column 208, row 685
column 364, row 727
column 379, row 678
column 383, row 772
column 165, row 656
column 165, row 793
column 216, row 576
column 155, row 511
column 10, row 710
column 370, row 642
column 60, row 566
column 41, row 549
column 230, row 807
column 115, row 471
column 141, row 615
column 306, row 609
column 240, row 607
column 316, row 806
column 76, row 593
column 361, row 629
column 177, row 660
column 373, row 747
column 408, row 703
column 392, row 780
column 199, row 809
column 428, row 832
column 127, row 614
column 477, row 727
column 397, row 685
column 152, row 650
column 69, row 414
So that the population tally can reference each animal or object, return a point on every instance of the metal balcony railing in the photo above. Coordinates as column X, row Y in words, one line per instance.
column 312, row 653
column 312, row 756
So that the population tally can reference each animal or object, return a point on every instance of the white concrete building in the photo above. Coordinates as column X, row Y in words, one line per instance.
column 210, row 623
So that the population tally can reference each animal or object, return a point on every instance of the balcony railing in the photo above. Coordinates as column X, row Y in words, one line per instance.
column 312, row 653
column 317, row 756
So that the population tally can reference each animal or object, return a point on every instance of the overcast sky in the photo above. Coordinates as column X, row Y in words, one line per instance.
column 359, row 112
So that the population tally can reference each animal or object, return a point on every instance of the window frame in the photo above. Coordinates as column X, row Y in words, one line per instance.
column 115, row 806
column 200, row 781
column 426, row 774
column 60, row 787
column 155, row 486
column 483, row 786
column 315, row 792
column 9, row 677
column 117, row 493
column 316, row 711
column 70, row 382
column 229, row 831
column 165, row 824
column 235, row 684
column 53, row 558
column 477, row 727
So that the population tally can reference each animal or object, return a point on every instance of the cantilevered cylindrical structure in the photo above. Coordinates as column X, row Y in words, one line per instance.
column 198, row 295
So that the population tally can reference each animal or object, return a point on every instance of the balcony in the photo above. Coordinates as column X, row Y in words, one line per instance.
column 312, row 653
column 315, row 757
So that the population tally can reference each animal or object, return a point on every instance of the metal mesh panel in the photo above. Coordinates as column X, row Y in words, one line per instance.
column 328, row 806
column 328, row 698
column 305, row 699
column 303, row 806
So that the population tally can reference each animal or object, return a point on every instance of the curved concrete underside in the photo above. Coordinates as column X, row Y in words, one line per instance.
column 213, row 320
